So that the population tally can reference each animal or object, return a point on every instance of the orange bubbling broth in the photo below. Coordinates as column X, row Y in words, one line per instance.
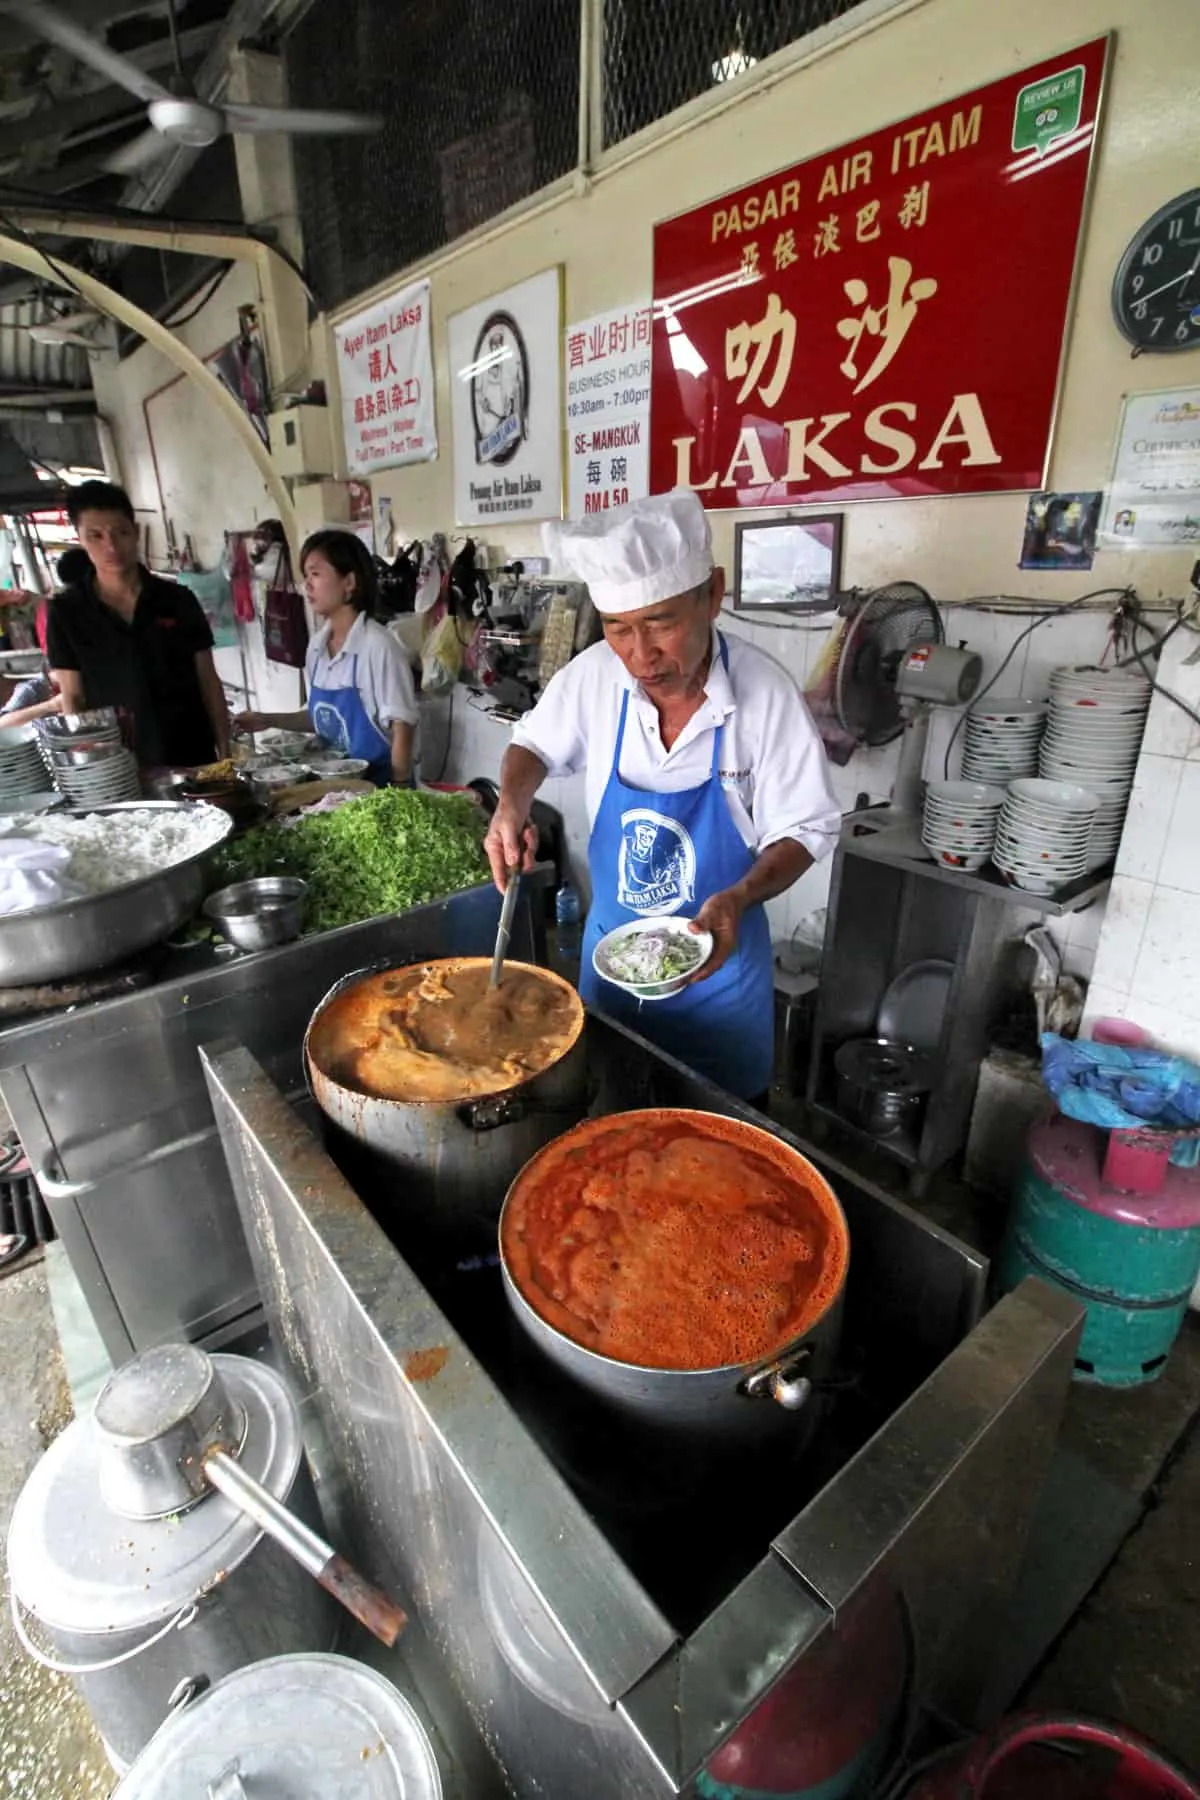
column 675, row 1240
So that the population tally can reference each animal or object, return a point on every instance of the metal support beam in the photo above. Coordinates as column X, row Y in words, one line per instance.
column 105, row 300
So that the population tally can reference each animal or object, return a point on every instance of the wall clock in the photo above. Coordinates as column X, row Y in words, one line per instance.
column 1156, row 290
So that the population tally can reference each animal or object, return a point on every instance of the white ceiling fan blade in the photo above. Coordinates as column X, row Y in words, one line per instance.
column 45, row 21
column 72, row 321
column 138, row 154
column 298, row 121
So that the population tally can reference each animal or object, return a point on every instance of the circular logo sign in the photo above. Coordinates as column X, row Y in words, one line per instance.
column 499, row 390
column 656, row 863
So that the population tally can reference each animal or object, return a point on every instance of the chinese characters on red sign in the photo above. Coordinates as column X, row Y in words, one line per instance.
column 608, row 410
column 886, row 319
column 385, row 372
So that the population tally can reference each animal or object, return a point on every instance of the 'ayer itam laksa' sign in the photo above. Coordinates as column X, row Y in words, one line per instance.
column 385, row 375
column 883, row 320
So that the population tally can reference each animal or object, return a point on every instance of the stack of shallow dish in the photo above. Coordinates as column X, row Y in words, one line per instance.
column 1094, row 734
column 958, row 827
column 1044, row 833
column 87, row 760
column 1000, row 740
column 24, row 782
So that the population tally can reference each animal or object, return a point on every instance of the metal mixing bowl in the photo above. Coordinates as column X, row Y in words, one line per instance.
column 257, row 915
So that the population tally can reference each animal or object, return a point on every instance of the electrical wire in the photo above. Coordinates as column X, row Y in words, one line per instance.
column 62, row 272
column 198, row 306
column 1041, row 619
column 1149, row 673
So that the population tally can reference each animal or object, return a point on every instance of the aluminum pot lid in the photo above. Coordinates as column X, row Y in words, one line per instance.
column 290, row 1728
column 78, row 1565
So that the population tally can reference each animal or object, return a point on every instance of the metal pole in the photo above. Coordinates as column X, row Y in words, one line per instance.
column 591, row 83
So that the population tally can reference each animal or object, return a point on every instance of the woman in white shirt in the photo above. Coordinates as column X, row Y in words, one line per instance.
column 361, row 697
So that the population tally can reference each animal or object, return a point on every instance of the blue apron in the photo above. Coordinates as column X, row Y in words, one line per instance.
column 656, row 854
column 339, row 716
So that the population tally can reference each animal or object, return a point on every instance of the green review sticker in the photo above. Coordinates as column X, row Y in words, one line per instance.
column 1047, row 110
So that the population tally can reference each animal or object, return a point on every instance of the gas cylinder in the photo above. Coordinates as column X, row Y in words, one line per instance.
column 1130, row 1257
column 825, row 1731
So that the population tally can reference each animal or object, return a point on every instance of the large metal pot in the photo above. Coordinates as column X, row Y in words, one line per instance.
column 454, row 1160
column 882, row 1086
column 727, row 1406
column 75, row 936
column 132, row 1605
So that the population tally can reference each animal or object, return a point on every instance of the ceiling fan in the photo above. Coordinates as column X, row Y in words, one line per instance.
column 177, row 115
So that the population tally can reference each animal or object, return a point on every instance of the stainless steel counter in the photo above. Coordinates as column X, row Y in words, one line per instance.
column 110, row 1103
column 645, row 1634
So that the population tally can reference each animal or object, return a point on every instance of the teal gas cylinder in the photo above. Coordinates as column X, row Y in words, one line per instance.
column 1130, row 1258
column 827, row 1729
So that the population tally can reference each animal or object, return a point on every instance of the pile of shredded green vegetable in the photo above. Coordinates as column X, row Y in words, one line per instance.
column 378, row 854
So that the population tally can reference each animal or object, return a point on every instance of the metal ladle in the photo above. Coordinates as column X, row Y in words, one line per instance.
column 171, row 1434
column 504, row 930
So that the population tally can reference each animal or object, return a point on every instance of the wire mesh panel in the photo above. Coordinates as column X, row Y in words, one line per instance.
column 658, row 54
column 480, row 104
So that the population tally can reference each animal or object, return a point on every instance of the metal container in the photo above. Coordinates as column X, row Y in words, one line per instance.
column 76, row 936
column 457, row 1158
column 318, row 1725
column 132, row 1606
column 727, row 1406
column 257, row 915
column 881, row 1085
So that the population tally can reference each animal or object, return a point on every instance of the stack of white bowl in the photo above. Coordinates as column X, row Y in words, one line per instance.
column 1044, row 833
column 1093, row 736
column 23, row 776
column 87, row 760
column 1000, row 740
column 958, row 826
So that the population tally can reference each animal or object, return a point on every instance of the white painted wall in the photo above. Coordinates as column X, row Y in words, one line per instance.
column 178, row 455
column 957, row 548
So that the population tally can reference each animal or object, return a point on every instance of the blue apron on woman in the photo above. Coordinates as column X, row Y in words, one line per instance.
column 653, row 854
column 339, row 716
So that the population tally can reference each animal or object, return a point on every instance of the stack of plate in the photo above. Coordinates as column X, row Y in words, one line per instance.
column 87, row 760
column 958, row 827
column 23, row 777
column 1000, row 740
column 1044, row 833
column 1094, row 734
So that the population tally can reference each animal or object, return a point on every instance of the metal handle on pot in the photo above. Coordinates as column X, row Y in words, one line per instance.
column 782, row 1382
column 487, row 1115
column 369, row 1605
column 177, row 1622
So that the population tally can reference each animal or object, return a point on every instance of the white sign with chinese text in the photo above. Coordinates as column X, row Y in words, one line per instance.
column 608, row 410
column 385, row 373
column 1154, row 494
column 506, row 401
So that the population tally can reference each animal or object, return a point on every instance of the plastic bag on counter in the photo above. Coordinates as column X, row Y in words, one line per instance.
column 32, row 875
column 1123, row 1089
column 441, row 657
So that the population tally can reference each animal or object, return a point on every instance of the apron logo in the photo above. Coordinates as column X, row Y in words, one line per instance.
column 329, row 724
column 656, row 863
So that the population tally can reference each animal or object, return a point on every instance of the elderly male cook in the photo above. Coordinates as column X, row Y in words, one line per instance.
column 707, row 787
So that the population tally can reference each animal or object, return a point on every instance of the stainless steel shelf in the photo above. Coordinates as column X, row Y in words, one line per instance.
column 900, row 847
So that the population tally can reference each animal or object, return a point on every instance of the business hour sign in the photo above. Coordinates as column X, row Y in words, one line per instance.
column 886, row 319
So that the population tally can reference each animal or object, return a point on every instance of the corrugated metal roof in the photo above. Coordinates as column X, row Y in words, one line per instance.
column 26, row 364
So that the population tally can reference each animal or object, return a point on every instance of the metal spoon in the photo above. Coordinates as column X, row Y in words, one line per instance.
column 504, row 930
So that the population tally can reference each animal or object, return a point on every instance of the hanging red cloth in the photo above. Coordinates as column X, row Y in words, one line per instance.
column 241, row 581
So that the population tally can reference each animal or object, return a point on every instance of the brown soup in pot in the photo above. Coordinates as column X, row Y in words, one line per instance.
column 675, row 1240
column 436, row 1032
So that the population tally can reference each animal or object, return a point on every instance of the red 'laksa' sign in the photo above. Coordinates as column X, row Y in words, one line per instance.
column 887, row 319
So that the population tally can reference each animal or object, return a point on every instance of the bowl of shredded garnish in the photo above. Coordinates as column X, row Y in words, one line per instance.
column 652, row 958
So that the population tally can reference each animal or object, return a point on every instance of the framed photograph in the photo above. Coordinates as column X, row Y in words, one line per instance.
column 790, row 563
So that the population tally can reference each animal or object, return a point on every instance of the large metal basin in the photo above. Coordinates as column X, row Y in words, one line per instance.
column 76, row 936
column 443, row 1167
column 736, row 1404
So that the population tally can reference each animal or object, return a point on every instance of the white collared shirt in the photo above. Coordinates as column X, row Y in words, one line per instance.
column 772, row 764
column 371, row 660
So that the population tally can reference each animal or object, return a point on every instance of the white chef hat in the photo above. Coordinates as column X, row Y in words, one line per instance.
column 635, row 555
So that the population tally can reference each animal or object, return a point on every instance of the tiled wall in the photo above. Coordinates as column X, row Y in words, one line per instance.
column 1147, row 967
column 478, row 744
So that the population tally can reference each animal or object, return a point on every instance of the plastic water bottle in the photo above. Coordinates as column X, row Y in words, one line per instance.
column 567, row 913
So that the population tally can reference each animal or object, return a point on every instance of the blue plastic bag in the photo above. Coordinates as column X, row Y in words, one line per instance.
column 1125, row 1090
